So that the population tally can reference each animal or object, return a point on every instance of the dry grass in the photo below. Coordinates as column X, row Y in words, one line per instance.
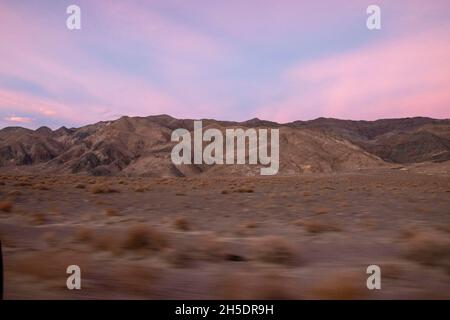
column 250, row 224
column 275, row 249
column 103, row 188
column 83, row 234
column 321, row 210
column 246, row 228
column 315, row 226
column 143, row 237
column 50, row 238
column 47, row 265
column 111, row 212
column 107, row 242
column 392, row 270
column 41, row 186
column 182, row 224
column 141, row 189
column 429, row 248
column 444, row 228
column 22, row 184
column 409, row 231
column 341, row 286
column 183, row 256
column 14, row 193
column 254, row 286
column 135, row 279
column 6, row 206
column 38, row 218
column 212, row 248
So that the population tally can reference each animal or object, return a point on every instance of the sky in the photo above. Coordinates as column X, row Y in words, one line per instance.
column 279, row 60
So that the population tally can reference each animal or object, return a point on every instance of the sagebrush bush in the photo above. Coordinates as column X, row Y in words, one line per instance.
column 144, row 237
column 6, row 206
column 275, row 249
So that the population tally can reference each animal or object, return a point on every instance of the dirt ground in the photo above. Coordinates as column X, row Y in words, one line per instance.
column 303, row 237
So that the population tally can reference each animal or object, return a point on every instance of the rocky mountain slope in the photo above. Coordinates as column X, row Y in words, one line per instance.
column 142, row 146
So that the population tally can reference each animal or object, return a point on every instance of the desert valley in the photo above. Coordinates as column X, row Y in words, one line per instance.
column 107, row 197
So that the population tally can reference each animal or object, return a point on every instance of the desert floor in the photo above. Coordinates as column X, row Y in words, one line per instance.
column 303, row 237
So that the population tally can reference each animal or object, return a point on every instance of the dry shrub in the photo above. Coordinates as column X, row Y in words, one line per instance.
column 321, row 210
column 50, row 265
column 143, row 237
column 315, row 226
column 444, row 227
column 341, row 286
column 245, row 190
column 135, row 279
column 107, row 242
column 14, row 193
column 275, row 249
column 22, row 184
column 182, row 224
column 212, row 248
column 50, row 238
column 429, row 249
column 42, row 187
column 254, row 286
column 141, row 189
column 343, row 204
column 392, row 270
column 83, row 234
column 103, row 188
column 409, row 232
column 111, row 212
column 368, row 223
column 250, row 224
column 225, row 192
column 6, row 206
column 38, row 218
column 183, row 256
column 246, row 228
column 80, row 186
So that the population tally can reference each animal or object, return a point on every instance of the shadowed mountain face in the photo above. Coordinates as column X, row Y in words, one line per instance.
column 142, row 146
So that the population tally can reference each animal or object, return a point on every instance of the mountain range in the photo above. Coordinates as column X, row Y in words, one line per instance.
column 142, row 146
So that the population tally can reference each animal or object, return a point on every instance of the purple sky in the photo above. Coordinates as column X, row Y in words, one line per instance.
column 231, row 60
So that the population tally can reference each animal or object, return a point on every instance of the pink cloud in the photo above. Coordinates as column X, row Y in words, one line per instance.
column 409, row 76
column 18, row 119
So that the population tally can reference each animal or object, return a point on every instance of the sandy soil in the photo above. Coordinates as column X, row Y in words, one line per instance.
column 305, row 237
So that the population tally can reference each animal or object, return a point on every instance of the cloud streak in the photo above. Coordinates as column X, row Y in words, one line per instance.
column 18, row 119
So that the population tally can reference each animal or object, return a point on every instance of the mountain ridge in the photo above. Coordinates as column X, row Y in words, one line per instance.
column 141, row 146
